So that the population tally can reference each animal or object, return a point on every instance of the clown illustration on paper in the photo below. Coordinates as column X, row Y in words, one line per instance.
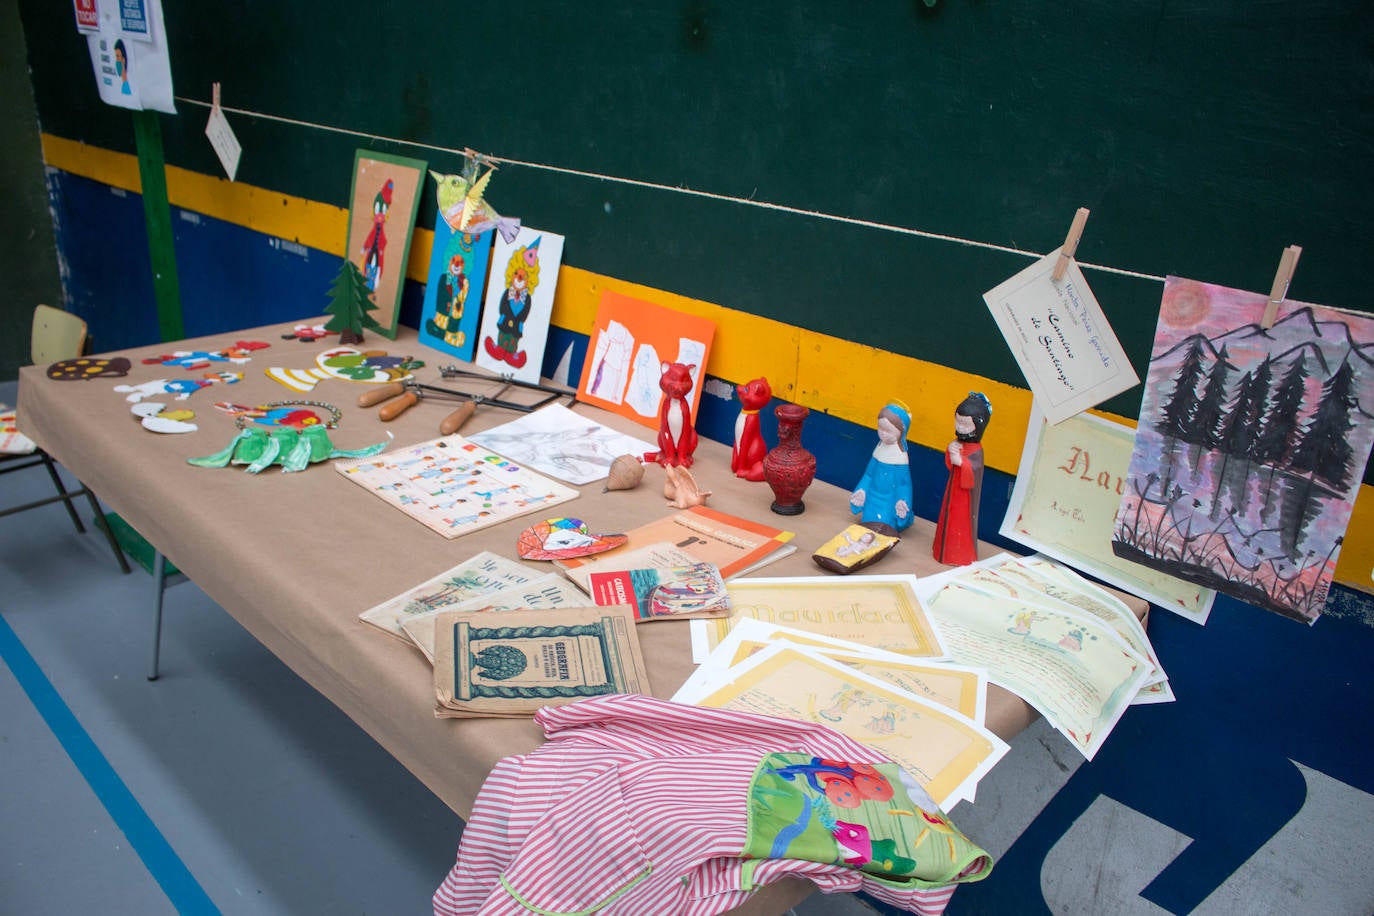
column 519, row 303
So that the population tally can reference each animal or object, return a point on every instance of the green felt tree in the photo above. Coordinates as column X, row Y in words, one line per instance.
column 349, row 303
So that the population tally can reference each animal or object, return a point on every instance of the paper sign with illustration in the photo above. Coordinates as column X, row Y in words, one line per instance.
column 453, row 295
column 882, row 612
column 1251, row 445
column 386, row 190
column 548, row 591
column 629, row 345
column 1064, row 503
column 128, row 48
column 562, row 443
column 1072, row 667
column 1061, row 339
column 519, row 303
column 946, row 752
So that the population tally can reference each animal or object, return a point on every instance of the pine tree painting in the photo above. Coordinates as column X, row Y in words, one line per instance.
column 1251, row 446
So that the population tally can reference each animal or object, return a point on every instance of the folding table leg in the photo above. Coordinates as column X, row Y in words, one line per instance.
column 159, row 585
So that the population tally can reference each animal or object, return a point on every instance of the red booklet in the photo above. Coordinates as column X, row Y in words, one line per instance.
column 664, row 594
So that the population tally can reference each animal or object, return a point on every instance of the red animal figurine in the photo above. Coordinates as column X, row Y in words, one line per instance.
column 746, row 460
column 677, row 439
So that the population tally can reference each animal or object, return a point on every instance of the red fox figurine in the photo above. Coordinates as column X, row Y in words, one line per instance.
column 746, row 460
column 677, row 439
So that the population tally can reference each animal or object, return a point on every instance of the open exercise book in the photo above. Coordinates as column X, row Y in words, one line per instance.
column 696, row 535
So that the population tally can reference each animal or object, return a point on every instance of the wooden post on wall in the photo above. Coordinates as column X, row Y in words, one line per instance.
column 157, row 215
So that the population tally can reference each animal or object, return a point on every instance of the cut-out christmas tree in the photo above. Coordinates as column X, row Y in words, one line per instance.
column 349, row 303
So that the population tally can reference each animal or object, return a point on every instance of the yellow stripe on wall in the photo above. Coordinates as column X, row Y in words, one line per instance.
column 828, row 374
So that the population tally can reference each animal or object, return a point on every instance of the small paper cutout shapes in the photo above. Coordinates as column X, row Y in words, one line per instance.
column 191, row 360
column 562, row 539
column 295, row 416
column 66, row 370
column 306, row 333
column 348, row 363
column 181, row 388
column 156, row 418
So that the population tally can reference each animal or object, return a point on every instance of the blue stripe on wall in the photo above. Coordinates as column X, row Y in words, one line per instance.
column 152, row 847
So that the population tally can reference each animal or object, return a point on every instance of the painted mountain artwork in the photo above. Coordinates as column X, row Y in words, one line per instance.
column 1251, row 445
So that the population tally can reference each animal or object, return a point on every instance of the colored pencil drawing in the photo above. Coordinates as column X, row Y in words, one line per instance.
column 1250, row 447
column 453, row 295
column 386, row 190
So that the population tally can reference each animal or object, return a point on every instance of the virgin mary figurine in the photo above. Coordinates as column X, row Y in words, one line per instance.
column 882, row 500
column 956, row 530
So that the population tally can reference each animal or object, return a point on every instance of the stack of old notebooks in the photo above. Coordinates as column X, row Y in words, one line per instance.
column 511, row 663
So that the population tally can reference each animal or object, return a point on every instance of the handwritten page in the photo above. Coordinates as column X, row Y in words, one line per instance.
column 1060, row 337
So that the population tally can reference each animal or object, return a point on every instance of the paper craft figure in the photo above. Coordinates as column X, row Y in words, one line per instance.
column 1250, row 445
column 882, row 499
column 562, row 538
column 371, row 366
column 191, row 360
column 66, row 370
column 677, row 438
column 519, row 303
column 453, row 295
column 746, row 459
column 306, row 333
column 350, row 300
column 292, row 449
column 284, row 413
column 381, row 216
column 181, row 388
column 463, row 205
column 156, row 418
column 956, row 529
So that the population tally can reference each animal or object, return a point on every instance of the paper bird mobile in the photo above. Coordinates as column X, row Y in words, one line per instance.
column 463, row 204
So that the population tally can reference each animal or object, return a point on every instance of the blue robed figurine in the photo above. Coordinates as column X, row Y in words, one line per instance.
column 882, row 500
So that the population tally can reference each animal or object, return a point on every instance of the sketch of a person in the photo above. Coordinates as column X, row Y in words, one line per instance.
column 448, row 305
column 121, row 57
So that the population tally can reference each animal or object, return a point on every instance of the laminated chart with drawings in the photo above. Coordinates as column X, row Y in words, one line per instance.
column 454, row 486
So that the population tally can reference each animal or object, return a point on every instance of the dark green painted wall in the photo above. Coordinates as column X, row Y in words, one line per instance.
column 1204, row 137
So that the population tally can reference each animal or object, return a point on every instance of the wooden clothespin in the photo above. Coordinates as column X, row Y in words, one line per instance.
column 1070, row 244
column 1287, row 264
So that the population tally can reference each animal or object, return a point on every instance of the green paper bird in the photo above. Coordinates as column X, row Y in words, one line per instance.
column 460, row 198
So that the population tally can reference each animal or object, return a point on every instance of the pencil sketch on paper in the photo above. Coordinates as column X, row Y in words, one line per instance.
column 559, row 442
column 1250, row 446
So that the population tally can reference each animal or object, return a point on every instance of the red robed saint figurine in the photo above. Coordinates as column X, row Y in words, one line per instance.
column 956, row 530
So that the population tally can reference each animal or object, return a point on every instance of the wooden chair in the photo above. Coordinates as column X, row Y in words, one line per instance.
column 58, row 335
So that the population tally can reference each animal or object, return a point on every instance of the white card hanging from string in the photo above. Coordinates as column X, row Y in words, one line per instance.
column 1059, row 334
column 222, row 137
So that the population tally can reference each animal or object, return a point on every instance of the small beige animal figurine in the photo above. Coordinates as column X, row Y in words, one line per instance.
column 681, row 489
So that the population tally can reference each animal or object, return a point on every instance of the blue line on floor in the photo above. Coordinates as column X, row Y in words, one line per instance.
column 161, row 860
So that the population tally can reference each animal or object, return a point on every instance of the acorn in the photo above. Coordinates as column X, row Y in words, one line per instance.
column 625, row 474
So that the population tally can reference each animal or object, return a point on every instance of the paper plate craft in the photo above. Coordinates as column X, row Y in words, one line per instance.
column 180, row 388
column 306, row 333
column 191, row 360
column 853, row 548
column 386, row 190
column 292, row 449
column 66, row 370
column 349, row 363
column 562, row 539
column 519, row 303
column 296, row 414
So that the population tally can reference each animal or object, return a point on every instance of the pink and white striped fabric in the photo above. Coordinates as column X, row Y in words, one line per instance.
column 639, row 807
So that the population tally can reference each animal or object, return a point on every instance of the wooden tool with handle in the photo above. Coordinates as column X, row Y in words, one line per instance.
column 381, row 393
column 393, row 409
column 454, row 421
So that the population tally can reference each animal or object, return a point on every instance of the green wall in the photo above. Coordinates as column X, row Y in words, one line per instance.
column 1205, row 137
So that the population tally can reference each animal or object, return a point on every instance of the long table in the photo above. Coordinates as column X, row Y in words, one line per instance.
column 296, row 557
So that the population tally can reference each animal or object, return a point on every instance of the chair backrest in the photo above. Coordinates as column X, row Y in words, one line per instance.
column 57, row 335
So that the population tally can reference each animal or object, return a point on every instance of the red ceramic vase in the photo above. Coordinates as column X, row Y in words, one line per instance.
column 789, row 468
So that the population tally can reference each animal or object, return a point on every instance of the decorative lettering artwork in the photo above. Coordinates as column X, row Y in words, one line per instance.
column 1064, row 503
column 1060, row 337
column 453, row 486
column 1250, row 446
column 519, row 303
column 386, row 190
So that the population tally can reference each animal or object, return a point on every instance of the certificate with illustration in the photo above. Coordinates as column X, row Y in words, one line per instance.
column 1071, row 667
column 946, row 752
column 881, row 612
